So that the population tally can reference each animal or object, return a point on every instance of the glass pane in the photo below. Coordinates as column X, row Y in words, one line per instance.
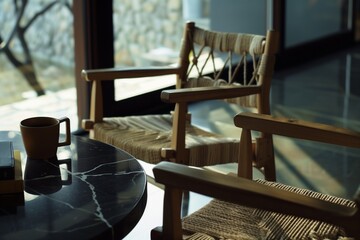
column 238, row 16
column 148, row 33
column 36, row 53
column 313, row 19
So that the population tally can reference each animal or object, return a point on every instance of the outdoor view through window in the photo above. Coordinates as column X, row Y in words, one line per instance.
column 148, row 33
column 37, row 41
column 37, row 50
column 36, row 60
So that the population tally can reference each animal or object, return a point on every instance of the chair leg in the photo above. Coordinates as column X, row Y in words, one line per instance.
column 185, row 204
column 156, row 233
column 269, row 171
column 172, row 228
column 265, row 156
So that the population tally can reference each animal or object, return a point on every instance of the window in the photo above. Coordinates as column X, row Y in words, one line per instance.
column 148, row 33
column 311, row 20
column 36, row 60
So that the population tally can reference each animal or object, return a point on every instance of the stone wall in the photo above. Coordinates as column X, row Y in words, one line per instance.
column 141, row 26
column 49, row 36
column 143, row 29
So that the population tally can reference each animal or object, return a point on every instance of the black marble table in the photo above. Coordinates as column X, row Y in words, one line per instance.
column 90, row 191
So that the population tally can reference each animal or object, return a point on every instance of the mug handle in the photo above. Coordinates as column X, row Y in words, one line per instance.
column 67, row 125
column 67, row 162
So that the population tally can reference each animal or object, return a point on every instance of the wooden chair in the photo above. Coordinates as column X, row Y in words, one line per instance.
column 248, row 209
column 212, row 65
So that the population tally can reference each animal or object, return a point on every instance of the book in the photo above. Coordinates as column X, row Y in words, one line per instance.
column 15, row 185
column 7, row 162
column 12, row 190
column 12, row 199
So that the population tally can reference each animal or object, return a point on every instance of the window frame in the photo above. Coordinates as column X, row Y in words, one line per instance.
column 94, row 48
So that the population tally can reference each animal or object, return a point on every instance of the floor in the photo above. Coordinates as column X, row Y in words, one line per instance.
column 326, row 90
column 56, row 104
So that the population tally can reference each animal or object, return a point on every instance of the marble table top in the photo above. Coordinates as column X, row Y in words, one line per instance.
column 90, row 191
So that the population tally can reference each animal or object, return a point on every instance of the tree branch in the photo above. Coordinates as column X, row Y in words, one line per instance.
column 39, row 13
column 9, row 54
column 20, row 12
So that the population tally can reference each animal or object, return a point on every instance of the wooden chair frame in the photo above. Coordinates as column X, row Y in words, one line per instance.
column 181, row 97
column 177, row 178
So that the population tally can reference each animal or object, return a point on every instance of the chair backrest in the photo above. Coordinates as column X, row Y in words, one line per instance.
column 211, row 58
column 202, row 51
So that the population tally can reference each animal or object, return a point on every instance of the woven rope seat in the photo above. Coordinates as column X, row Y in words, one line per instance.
column 224, row 220
column 144, row 137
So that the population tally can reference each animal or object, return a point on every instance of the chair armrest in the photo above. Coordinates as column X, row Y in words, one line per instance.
column 207, row 93
column 298, row 129
column 115, row 73
column 252, row 194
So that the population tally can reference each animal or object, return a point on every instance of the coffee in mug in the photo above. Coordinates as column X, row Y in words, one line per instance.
column 41, row 136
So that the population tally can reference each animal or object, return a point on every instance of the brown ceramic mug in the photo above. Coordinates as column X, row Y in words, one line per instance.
column 41, row 136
